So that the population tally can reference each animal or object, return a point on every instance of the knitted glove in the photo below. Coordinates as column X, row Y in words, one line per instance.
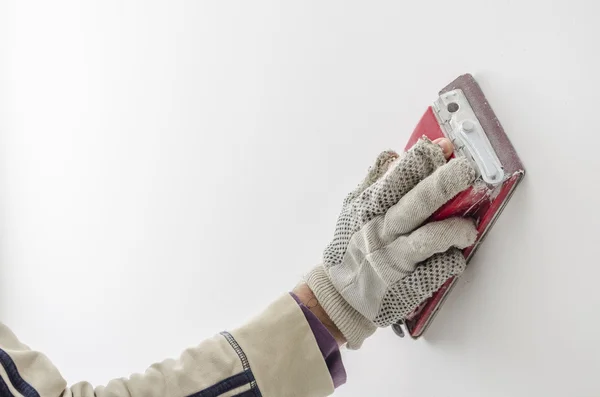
column 383, row 260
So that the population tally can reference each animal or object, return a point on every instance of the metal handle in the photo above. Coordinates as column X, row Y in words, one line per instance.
column 457, row 119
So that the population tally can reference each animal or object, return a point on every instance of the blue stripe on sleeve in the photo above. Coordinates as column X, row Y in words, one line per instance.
column 14, row 377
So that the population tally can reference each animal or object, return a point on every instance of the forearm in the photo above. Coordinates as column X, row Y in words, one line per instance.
column 308, row 298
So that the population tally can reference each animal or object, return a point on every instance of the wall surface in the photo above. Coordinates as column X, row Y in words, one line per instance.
column 167, row 168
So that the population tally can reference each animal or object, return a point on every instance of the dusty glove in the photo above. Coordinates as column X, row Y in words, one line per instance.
column 383, row 260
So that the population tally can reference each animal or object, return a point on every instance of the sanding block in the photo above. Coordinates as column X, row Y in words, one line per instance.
column 463, row 114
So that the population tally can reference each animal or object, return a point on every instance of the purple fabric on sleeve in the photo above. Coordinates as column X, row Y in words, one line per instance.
column 327, row 344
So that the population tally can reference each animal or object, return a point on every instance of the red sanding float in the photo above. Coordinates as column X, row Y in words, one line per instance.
column 462, row 114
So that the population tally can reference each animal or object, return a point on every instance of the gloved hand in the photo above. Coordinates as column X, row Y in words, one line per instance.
column 383, row 260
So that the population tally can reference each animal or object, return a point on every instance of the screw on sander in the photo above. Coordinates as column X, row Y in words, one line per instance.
column 398, row 328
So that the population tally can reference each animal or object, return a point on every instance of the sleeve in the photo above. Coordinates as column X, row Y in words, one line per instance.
column 327, row 344
column 275, row 354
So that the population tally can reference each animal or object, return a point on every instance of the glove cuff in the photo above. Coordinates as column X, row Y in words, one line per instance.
column 354, row 326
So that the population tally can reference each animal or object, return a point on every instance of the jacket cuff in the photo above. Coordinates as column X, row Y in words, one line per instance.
column 283, row 353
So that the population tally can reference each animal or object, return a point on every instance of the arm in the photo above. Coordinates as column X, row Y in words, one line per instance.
column 254, row 359
column 383, row 261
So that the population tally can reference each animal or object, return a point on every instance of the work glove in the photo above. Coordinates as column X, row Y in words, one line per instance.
column 384, row 260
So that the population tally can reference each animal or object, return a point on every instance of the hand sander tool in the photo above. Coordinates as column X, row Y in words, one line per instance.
column 463, row 114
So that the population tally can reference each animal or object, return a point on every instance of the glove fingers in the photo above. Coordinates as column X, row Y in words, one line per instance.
column 403, row 175
column 432, row 273
column 400, row 258
column 436, row 237
column 405, row 296
column 419, row 162
column 420, row 203
column 379, row 168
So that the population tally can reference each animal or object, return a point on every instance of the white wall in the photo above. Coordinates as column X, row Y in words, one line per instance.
column 168, row 167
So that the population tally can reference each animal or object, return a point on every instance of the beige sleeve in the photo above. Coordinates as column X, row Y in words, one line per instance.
column 274, row 355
